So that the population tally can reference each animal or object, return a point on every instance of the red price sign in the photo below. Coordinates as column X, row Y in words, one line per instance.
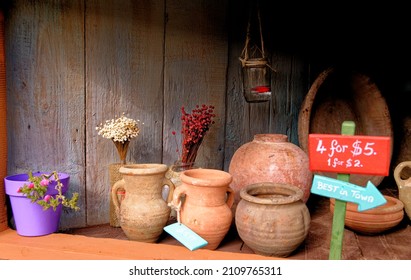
column 349, row 154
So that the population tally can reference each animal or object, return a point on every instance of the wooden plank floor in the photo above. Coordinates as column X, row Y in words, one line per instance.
column 392, row 245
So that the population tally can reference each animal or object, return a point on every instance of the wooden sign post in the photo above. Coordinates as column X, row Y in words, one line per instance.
column 345, row 154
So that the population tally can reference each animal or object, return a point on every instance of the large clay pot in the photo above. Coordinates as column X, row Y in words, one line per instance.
column 143, row 212
column 272, row 219
column 270, row 158
column 206, row 201
column 403, row 179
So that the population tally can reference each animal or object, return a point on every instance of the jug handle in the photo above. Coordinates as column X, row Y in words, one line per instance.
column 178, row 194
column 177, row 202
column 171, row 188
column 230, row 197
column 119, row 184
column 397, row 174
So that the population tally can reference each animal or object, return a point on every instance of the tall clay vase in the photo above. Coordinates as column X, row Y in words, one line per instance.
column 272, row 219
column 143, row 212
column 206, row 201
column 270, row 158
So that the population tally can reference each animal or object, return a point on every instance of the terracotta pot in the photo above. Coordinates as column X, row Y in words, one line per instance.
column 270, row 158
column 143, row 212
column 206, row 201
column 272, row 219
column 373, row 221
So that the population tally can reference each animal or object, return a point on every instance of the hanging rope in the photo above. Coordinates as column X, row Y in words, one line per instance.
column 252, row 60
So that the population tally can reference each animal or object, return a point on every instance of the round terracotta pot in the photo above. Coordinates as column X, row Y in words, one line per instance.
column 206, row 201
column 272, row 219
column 373, row 221
column 270, row 158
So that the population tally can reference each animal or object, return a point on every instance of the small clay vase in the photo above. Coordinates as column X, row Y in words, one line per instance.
column 272, row 219
column 403, row 179
column 206, row 200
column 143, row 212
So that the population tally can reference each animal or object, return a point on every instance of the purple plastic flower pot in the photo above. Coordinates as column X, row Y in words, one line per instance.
column 30, row 218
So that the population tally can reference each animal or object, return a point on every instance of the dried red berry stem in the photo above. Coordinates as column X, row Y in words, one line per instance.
column 194, row 127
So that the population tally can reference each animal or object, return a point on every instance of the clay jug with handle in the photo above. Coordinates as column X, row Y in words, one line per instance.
column 404, row 185
column 204, row 199
column 143, row 212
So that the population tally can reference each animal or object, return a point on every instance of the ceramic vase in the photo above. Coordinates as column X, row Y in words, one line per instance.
column 143, row 212
column 30, row 218
column 270, row 158
column 206, row 201
column 272, row 219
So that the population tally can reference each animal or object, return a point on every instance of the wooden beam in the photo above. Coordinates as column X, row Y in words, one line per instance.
column 62, row 246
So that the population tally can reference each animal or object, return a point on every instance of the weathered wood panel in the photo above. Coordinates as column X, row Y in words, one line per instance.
column 243, row 119
column 195, row 73
column 124, row 63
column 288, row 83
column 87, row 61
column 3, row 124
column 45, row 80
column 289, row 88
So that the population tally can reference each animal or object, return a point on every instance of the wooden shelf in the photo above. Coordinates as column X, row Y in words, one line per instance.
column 78, row 247
column 105, row 242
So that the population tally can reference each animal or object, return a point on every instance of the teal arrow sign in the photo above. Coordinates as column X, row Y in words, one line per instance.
column 366, row 198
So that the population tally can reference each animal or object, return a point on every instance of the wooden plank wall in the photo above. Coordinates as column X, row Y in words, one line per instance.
column 45, row 87
column 195, row 65
column 73, row 64
column 289, row 82
column 124, row 64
